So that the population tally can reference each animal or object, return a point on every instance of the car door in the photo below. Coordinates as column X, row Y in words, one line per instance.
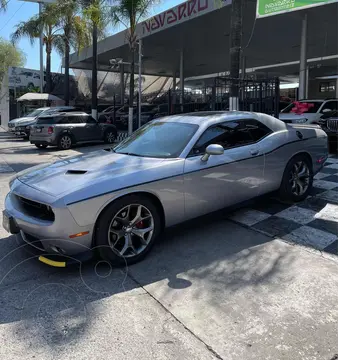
column 76, row 125
column 226, row 179
column 92, row 129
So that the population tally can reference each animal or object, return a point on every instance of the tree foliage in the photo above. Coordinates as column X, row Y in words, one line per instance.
column 10, row 55
column 129, row 13
column 3, row 5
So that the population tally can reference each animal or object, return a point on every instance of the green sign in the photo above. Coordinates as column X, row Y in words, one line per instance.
column 275, row 7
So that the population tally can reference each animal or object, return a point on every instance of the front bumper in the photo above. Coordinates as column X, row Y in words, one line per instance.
column 51, row 259
column 50, row 238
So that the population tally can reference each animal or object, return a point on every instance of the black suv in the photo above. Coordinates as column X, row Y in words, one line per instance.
column 329, row 123
column 67, row 129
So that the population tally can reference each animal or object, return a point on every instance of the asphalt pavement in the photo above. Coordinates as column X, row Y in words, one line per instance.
column 210, row 289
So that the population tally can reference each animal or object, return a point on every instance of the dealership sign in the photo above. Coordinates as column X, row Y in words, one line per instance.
column 183, row 12
column 275, row 7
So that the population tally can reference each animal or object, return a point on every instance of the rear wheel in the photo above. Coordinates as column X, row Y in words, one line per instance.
column 65, row 142
column 127, row 229
column 297, row 179
column 41, row 146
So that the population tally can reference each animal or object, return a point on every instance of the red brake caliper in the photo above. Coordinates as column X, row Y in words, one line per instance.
column 139, row 225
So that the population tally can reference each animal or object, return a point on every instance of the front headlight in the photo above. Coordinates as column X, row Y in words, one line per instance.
column 300, row 121
column 28, row 127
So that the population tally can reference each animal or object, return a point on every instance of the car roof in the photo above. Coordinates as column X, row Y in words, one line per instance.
column 64, row 114
column 208, row 116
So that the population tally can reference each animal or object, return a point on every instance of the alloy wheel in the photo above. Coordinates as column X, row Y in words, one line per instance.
column 66, row 142
column 110, row 137
column 131, row 230
column 299, row 178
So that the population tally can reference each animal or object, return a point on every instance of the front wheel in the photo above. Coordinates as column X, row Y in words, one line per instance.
column 297, row 179
column 127, row 230
column 109, row 137
column 41, row 146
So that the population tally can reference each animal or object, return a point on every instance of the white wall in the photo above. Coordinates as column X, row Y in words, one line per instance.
column 4, row 102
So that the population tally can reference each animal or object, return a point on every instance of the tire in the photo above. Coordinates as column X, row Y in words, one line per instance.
column 106, row 238
column 41, row 146
column 290, row 190
column 109, row 137
column 65, row 142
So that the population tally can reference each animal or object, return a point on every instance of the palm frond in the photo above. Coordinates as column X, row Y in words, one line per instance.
column 3, row 5
column 29, row 29
column 58, row 44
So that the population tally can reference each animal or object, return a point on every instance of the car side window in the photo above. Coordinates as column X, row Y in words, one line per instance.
column 65, row 120
column 219, row 134
column 76, row 120
column 90, row 120
column 256, row 129
column 231, row 134
column 331, row 105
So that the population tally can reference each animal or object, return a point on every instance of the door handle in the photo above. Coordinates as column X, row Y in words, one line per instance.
column 254, row 152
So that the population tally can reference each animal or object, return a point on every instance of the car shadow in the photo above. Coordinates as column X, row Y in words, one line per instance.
column 59, row 305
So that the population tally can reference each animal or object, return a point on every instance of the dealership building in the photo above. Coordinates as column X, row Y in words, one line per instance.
column 190, row 44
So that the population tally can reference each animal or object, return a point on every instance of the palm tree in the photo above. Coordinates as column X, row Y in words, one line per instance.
column 3, row 5
column 51, row 39
column 129, row 13
column 73, row 31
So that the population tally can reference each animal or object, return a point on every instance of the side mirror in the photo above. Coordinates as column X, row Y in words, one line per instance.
column 212, row 149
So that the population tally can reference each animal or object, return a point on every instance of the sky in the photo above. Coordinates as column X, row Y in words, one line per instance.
column 18, row 11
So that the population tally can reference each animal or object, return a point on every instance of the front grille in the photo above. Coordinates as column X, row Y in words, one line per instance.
column 332, row 124
column 36, row 209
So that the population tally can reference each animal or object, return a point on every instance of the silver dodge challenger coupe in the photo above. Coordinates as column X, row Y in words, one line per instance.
column 117, row 200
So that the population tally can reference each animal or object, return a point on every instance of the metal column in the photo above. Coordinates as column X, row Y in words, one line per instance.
column 41, row 54
column 181, row 79
column 139, row 81
column 94, row 73
column 122, row 83
column 174, row 81
column 303, row 60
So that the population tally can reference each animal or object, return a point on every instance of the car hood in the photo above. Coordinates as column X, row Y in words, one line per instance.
column 104, row 170
column 21, row 120
column 291, row 116
column 25, row 122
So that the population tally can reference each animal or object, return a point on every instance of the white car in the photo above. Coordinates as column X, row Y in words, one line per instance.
column 307, row 111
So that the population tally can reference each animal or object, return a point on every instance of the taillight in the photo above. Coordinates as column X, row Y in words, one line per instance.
column 50, row 130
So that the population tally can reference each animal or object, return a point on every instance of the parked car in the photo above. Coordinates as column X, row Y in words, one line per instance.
column 66, row 129
column 329, row 123
column 118, row 200
column 147, row 113
column 307, row 111
column 107, row 115
column 21, row 126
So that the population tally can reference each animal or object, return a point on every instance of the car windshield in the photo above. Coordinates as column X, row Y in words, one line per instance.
column 158, row 139
column 35, row 113
column 306, row 106
column 110, row 108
